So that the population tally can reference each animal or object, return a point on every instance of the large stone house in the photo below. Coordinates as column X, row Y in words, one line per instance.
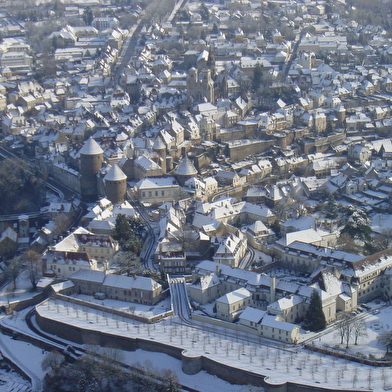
column 230, row 305
column 138, row 289
column 231, row 250
column 80, row 250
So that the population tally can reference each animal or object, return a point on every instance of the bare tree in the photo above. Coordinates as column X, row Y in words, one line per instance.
column 52, row 360
column 130, row 264
column 34, row 264
column 14, row 268
column 385, row 338
column 384, row 239
column 62, row 222
column 170, row 380
column 344, row 329
column 358, row 329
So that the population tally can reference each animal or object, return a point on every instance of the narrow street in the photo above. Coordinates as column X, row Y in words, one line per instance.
column 180, row 302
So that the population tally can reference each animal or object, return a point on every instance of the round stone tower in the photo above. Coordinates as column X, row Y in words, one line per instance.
column 115, row 185
column 91, row 159
column 160, row 148
column 185, row 170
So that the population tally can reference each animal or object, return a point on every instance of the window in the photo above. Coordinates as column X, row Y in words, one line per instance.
column 156, row 193
column 163, row 193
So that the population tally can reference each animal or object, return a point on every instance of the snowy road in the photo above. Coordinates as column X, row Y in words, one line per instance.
column 180, row 301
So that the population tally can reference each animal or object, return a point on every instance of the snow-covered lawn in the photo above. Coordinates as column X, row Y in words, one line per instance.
column 376, row 324
column 202, row 381
column 279, row 363
column 129, row 307
column 23, row 289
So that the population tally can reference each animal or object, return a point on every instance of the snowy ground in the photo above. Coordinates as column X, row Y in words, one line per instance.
column 10, row 381
column 23, row 289
column 290, row 364
column 130, row 307
column 261, row 256
column 262, row 356
column 203, row 381
column 376, row 324
column 27, row 357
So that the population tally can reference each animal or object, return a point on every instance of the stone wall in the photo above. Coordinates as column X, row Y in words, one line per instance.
column 116, row 312
column 25, row 303
column 224, row 324
column 339, row 354
column 191, row 364
column 241, row 151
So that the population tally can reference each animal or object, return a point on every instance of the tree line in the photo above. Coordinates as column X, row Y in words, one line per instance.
column 101, row 369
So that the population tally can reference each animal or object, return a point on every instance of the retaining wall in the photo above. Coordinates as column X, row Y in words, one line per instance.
column 191, row 363
column 338, row 354
column 116, row 312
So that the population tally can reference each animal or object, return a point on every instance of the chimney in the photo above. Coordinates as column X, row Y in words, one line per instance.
column 272, row 288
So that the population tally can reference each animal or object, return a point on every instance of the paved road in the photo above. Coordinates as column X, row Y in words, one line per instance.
column 180, row 301
column 151, row 240
column 127, row 50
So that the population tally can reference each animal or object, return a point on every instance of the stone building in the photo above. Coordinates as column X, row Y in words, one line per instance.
column 116, row 185
column 200, row 86
column 91, row 160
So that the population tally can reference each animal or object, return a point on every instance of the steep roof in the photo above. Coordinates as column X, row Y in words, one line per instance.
column 115, row 174
column 186, row 168
column 91, row 147
column 159, row 144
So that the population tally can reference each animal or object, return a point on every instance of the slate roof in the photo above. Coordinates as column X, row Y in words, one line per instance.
column 91, row 147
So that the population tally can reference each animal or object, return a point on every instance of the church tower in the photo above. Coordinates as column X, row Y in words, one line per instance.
column 207, row 86
column 211, row 62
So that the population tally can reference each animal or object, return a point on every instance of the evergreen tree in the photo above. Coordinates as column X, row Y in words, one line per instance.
column 314, row 317
column 128, row 231
column 257, row 77
column 204, row 12
column 88, row 16
column 331, row 208
column 358, row 224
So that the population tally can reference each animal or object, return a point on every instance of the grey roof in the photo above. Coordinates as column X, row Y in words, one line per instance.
column 115, row 174
column 186, row 168
column 89, row 275
column 159, row 144
column 91, row 147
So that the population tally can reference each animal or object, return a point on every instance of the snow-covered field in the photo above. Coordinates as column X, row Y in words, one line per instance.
column 280, row 364
column 10, row 381
column 134, row 308
column 368, row 344
column 22, row 291
column 267, row 358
